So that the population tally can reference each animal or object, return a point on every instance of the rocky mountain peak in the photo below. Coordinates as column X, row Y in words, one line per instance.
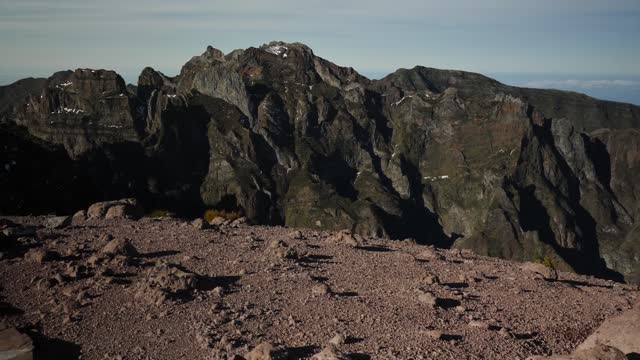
column 421, row 78
column 283, row 136
column 285, row 50
column 210, row 56
column 213, row 54
column 150, row 80
column 89, row 82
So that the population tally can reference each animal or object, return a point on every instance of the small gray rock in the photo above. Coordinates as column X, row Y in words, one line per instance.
column 427, row 298
column 337, row 340
column 321, row 290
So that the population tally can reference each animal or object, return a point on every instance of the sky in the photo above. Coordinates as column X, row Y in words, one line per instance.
column 590, row 46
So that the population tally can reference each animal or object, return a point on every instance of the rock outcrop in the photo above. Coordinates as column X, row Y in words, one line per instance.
column 620, row 332
column 599, row 352
column 285, row 137
column 14, row 345
column 166, row 282
column 124, row 208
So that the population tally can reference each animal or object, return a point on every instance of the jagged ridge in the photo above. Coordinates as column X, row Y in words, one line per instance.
column 446, row 157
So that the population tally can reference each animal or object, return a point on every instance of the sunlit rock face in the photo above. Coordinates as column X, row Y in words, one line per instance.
column 286, row 137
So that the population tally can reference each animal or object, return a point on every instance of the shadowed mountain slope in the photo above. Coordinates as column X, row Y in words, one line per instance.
column 446, row 157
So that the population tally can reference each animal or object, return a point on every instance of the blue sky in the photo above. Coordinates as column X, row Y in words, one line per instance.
column 585, row 45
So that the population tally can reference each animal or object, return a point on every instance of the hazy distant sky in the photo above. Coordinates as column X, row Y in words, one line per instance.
column 574, row 44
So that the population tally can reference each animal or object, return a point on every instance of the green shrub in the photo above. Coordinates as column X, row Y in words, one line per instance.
column 227, row 215
column 546, row 261
column 158, row 213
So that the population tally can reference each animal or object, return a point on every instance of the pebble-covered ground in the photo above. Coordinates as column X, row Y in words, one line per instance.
column 164, row 289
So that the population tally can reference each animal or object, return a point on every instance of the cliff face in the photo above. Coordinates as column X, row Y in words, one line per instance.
column 446, row 157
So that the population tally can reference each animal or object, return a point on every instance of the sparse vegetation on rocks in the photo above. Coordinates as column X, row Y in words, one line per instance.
column 211, row 214
column 546, row 261
column 158, row 213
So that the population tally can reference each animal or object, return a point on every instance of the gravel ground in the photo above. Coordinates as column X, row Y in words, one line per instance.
column 164, row 289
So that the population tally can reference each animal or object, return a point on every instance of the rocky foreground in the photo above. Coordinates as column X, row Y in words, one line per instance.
column 170, row 289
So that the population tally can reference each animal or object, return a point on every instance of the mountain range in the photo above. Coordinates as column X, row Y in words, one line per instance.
column 285, row 137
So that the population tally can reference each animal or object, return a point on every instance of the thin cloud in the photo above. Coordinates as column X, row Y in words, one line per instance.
column 480, row 36
column 582, row 84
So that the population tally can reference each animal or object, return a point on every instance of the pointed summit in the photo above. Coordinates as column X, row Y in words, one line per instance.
column 213, row 54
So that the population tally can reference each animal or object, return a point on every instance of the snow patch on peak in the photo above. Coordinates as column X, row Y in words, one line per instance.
column 64, row 84
column 401, row 100
column 434, row 178
column 277, row 50
column 65, row 110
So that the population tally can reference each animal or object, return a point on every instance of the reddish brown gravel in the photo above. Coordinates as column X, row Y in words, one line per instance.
column 164, row 289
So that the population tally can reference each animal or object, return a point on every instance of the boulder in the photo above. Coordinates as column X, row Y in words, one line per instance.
column 14, row 345
column 429, row 253
column 57, row 222
column 218, row 220
column 116, row 212
column 428, row 298
column 621, row 331
column 121, row 247
column 330, row 353
column 344, row 237
column 124, row 208
column 200, row 224
column 264, row 351
column 40, row 255
column 598, row 352
column 282, row 250
column 79, row 216
column 75, row 272
column 239, row 222
column 164, row 282
column 277, row 243
column 99, row 210
column 540, row 270
column 296, row 234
